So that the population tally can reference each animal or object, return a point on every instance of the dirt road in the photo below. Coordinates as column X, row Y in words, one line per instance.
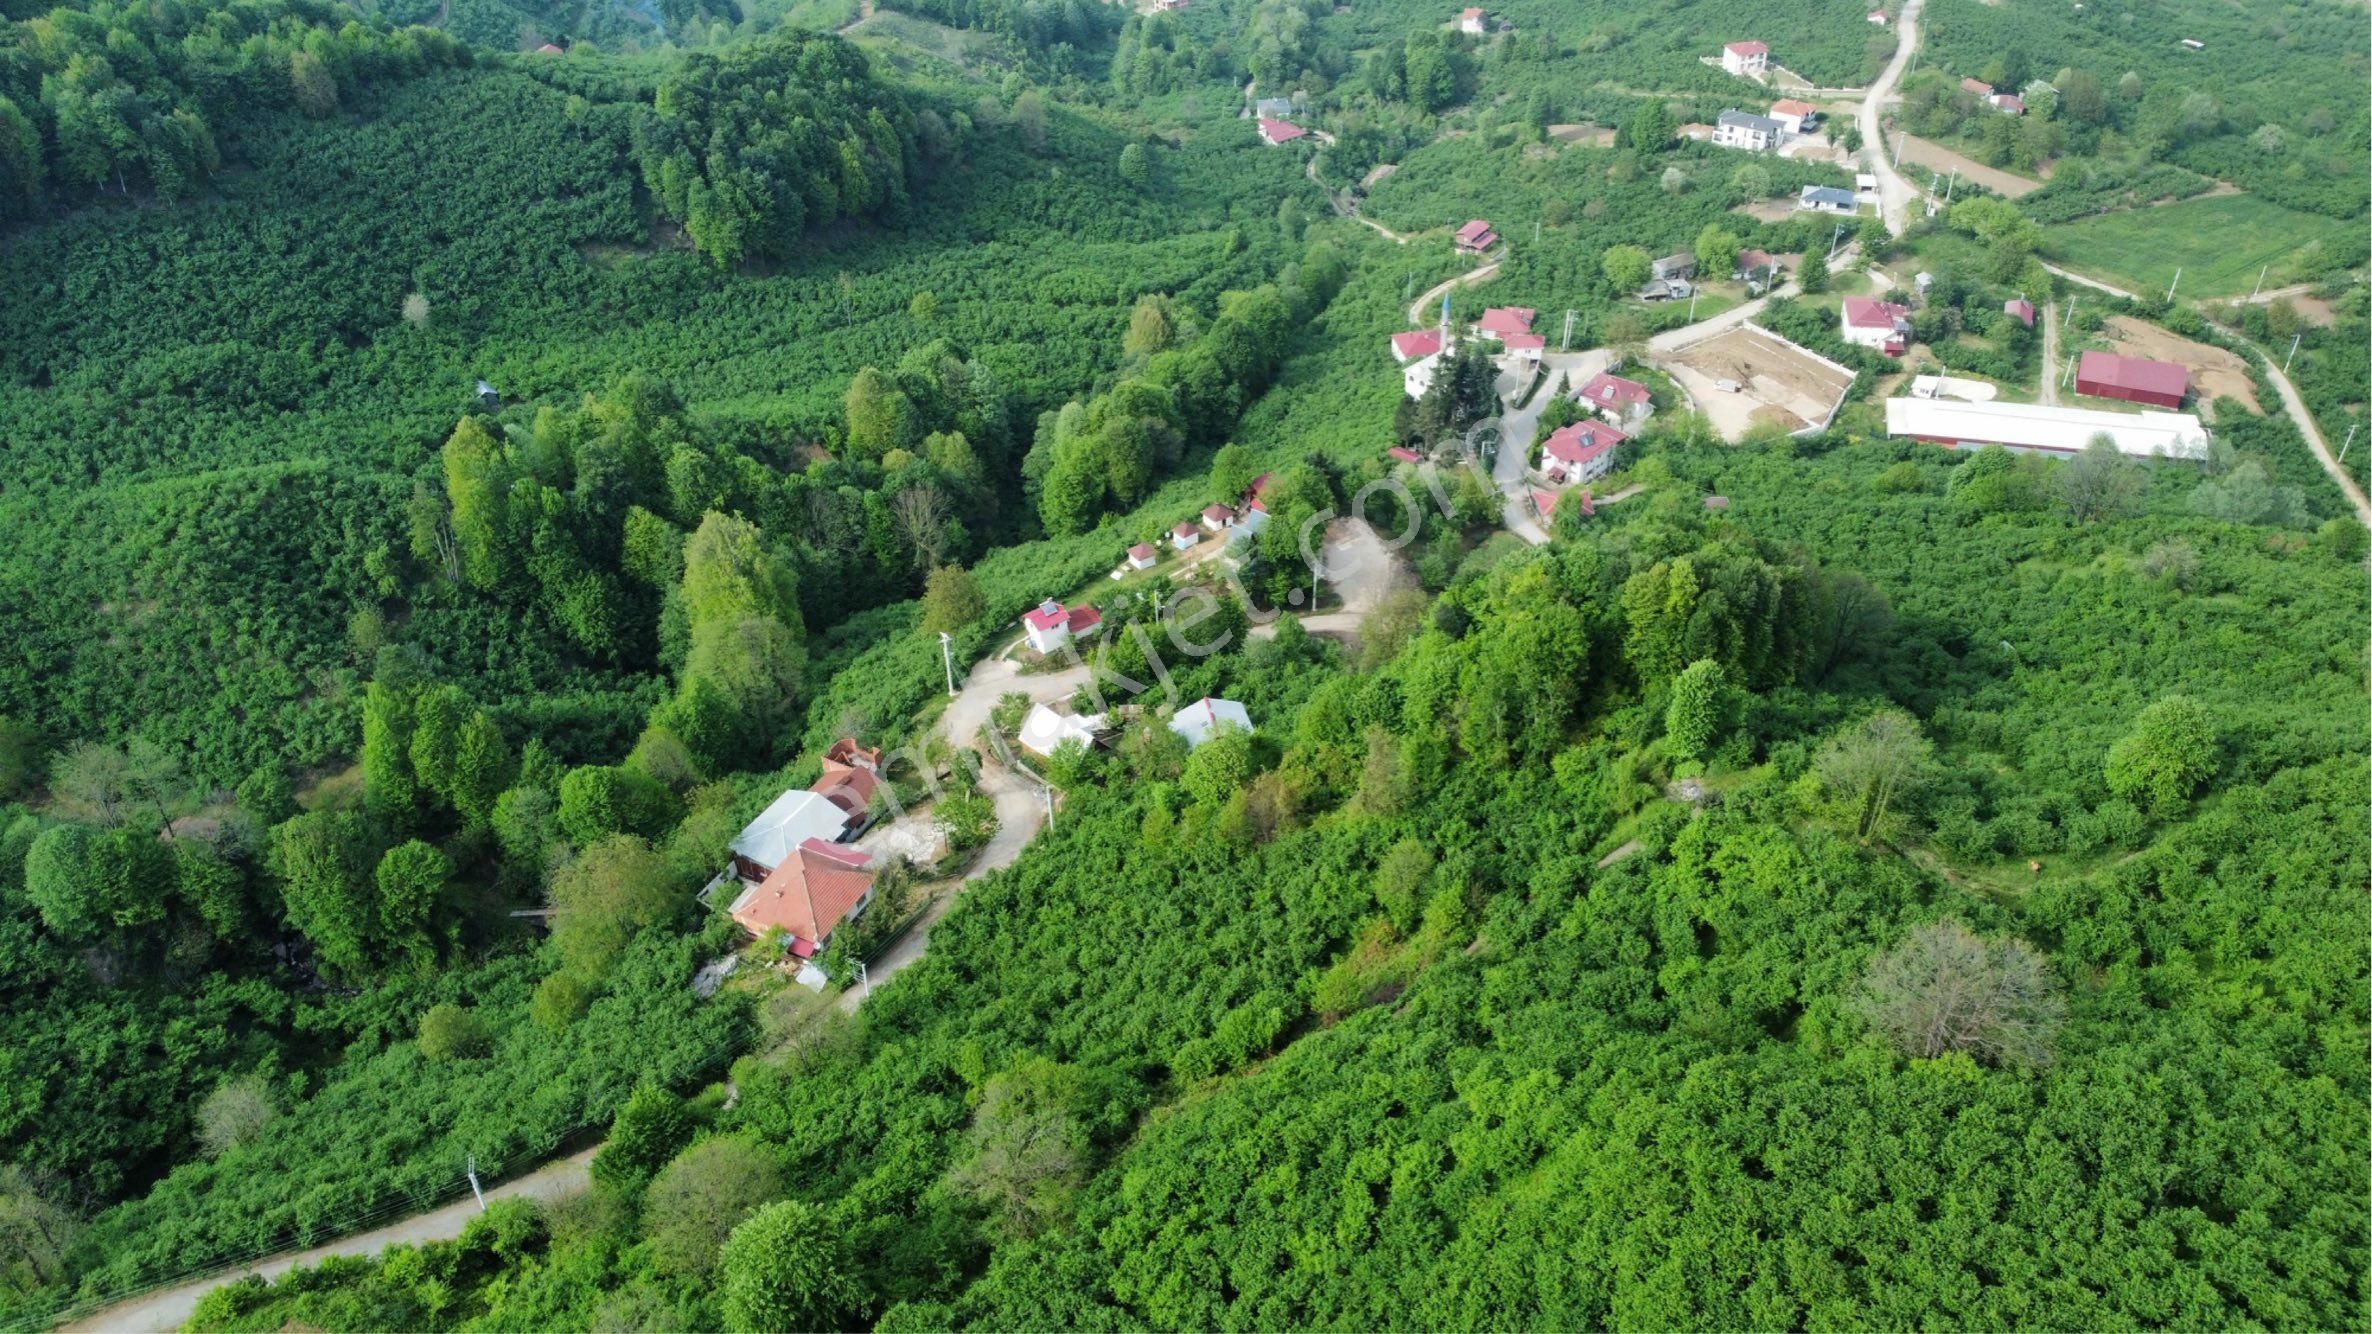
column 2094, row 283
column 2307, row 427
column 1419, row 310
column 170, row 1308
column 1895, row 195
column 1943, row 161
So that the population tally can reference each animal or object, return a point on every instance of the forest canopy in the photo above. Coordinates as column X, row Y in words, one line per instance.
column 753, row 147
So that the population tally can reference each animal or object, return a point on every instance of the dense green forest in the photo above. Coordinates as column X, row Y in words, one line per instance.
column 449, row 489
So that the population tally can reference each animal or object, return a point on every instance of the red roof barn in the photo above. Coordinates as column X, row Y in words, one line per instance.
column 2158, row 383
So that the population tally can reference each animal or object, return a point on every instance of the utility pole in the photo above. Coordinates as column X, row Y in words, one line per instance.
column 1692, row 303
column 1832, row 241
column 2252, row 292
column 947, row 657
column 473, row 1183
column 2178, row 278
column 2351, row 439
column 864, row 980
column 1565, row 344
column 1899, row 136
column 1047, row 792
column 2285, row 361
column 1951, row 185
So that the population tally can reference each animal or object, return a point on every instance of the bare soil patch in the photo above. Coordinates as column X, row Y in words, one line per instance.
column 1778, row 382
column 1381, row 170
column 1935, row 156
column 1768, row 210
column 1592, row 136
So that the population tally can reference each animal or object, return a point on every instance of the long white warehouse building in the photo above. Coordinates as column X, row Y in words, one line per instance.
column 2030, row 426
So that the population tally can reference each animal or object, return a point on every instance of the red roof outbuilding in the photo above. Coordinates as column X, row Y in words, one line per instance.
column 1280, row 131
column 2021, row 308
column 2106, row 375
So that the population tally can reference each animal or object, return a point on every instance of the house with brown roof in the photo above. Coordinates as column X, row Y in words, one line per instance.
column 1184, row 536
column 814, row 889
column 1143, row 556
column 1476, row 237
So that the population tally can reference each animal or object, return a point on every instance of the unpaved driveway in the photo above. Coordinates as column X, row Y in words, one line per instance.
column 170, row 1308
column 1943, row 161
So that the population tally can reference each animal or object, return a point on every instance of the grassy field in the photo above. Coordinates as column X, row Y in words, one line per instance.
column 2219, row 243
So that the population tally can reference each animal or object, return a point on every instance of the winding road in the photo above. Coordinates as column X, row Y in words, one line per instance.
column 1418, row 310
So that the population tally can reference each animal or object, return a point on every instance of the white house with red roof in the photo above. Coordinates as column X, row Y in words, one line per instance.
column 1050, row 625
column 1217, row 517
column 2009, row 104
column 1623, row 402
column 1526, row 349
column 1883, row 325
column 1417, row 376
column 1184, row 536
column 1143, row 556
column 1878, row 16
column 1745, row 58
column 1472, row 21
column 1476, row 237
column 1792, row 114
column 1500, row 321
column 1415, row 345
column 1274, row 132
column 1581, row 452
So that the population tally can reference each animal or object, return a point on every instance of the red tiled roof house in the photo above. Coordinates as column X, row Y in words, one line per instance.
column 1581, row 452
column 1476, row 237
column 1626, row 403
column 1883, row 325
column 815, row 889
column 1745, row 58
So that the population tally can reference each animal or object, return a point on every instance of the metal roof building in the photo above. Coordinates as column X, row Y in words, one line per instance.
column 2030, row 426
